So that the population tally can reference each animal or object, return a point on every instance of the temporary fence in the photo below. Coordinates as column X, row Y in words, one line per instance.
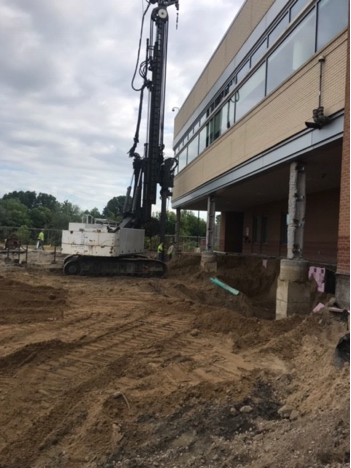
column 27, row 237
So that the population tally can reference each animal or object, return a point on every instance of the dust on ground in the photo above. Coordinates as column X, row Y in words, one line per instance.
column 174, row 372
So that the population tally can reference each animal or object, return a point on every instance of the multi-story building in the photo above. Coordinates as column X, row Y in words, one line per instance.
column 260, row 138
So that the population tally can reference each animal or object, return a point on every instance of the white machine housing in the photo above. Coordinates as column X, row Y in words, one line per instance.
column 95, row 240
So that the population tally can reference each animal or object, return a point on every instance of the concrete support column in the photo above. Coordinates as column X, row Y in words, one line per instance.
column 297, row 210
column 210, row 230
column 293, row 293
column 177, row 231
column 293, row 290
column 208, row 257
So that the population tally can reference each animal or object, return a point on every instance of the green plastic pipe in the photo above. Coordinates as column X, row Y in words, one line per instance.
column 224, row 286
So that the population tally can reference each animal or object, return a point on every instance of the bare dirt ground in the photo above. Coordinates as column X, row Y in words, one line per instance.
column 174, row 372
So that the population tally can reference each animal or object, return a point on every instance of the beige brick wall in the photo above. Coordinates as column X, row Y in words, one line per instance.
column 248, row 18
column 280, row 116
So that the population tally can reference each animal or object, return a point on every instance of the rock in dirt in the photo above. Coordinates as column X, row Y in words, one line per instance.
column 285, row 412
column 246, row 410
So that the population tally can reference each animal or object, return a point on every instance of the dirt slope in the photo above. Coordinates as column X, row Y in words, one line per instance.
column 119, row 372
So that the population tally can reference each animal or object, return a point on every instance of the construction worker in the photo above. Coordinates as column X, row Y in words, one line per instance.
column 40, row 240
column 160, row 251
column 170, row 251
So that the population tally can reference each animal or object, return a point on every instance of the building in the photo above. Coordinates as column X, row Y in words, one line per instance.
column 260, row 138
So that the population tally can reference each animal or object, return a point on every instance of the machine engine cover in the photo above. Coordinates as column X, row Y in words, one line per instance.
column 95, row 240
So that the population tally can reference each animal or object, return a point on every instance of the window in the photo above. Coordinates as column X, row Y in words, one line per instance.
column 332, row 19
column 264, row 230
column 284, row 229
column 278, row 30
column 292, row 53
column 193, row 149
column 214, row 128
column 297, row 7
column 202, row 140
column 256, row 229
column 250, row 93
column 259, row 53
column 227, row 116
column 182, row 158
column 243, row 72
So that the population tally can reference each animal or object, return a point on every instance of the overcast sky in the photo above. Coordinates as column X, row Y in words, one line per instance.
column 67, row 110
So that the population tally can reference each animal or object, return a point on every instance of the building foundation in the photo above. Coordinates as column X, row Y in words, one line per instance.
column 293, row 290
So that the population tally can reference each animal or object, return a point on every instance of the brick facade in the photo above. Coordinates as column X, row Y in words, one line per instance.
column 344, row 218
column 321, row 228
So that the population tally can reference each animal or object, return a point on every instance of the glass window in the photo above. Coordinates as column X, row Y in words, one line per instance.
column 227, row 116
column 193, row 149
column 259, row 53
column 202, row 140
column 255, row 229
column 243, row 72
column 214, row 128
column 297, row 48
column 264, row 230
column 182, row 158
column 278, row 30
column 284, row 229
column 332, row 19
column 250, row 93
column 297, row 7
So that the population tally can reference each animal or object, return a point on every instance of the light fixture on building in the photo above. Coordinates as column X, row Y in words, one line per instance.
column 319, row 119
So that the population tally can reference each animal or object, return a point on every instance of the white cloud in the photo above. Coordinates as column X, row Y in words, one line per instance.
column 67, row 110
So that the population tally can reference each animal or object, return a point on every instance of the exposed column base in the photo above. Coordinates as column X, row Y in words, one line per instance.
column 209, row 261
column 342, row 292
column 293, row 290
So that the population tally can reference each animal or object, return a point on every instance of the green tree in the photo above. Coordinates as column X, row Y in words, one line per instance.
column 26, row 198
column 95, row 213
column 41, row 217
column 152, row 228
column 72, row 211
column 114, row 208
column 14, row 213
column 191, row 225
column 47, row 201
column 23, row 234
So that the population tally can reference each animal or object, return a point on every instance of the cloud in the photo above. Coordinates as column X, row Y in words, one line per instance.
column 67, row 110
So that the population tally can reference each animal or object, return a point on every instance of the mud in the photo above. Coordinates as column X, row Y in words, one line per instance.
column 121, row 372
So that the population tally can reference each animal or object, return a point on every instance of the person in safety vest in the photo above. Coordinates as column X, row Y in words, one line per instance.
column 160, row 252
column 40, row 240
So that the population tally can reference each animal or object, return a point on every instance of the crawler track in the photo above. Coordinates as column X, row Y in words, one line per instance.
column 114, row 266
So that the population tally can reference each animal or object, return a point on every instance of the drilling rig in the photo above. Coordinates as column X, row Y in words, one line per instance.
column 98, row 247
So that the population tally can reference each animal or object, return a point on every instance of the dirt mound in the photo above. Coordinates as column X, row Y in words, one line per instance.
column 24, row 303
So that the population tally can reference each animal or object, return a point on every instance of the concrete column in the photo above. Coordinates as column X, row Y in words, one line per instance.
column 293, row 289
column 297, row 210
column 208, row 257
column 293, row 292
column 177, row 230
column 210, row 230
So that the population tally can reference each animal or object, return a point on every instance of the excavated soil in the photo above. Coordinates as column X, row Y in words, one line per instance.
column 174, row 372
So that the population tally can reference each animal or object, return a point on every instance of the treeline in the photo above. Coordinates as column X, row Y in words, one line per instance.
column 29, row 210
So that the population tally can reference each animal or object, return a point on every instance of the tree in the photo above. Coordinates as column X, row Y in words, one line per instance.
column 14, row 213
column 152, row 228
column 114, row 208
column 47, row 201
column 95, row 213
column 26, row 198
column 72, row 211
column 41, row 217
column 192, row 225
